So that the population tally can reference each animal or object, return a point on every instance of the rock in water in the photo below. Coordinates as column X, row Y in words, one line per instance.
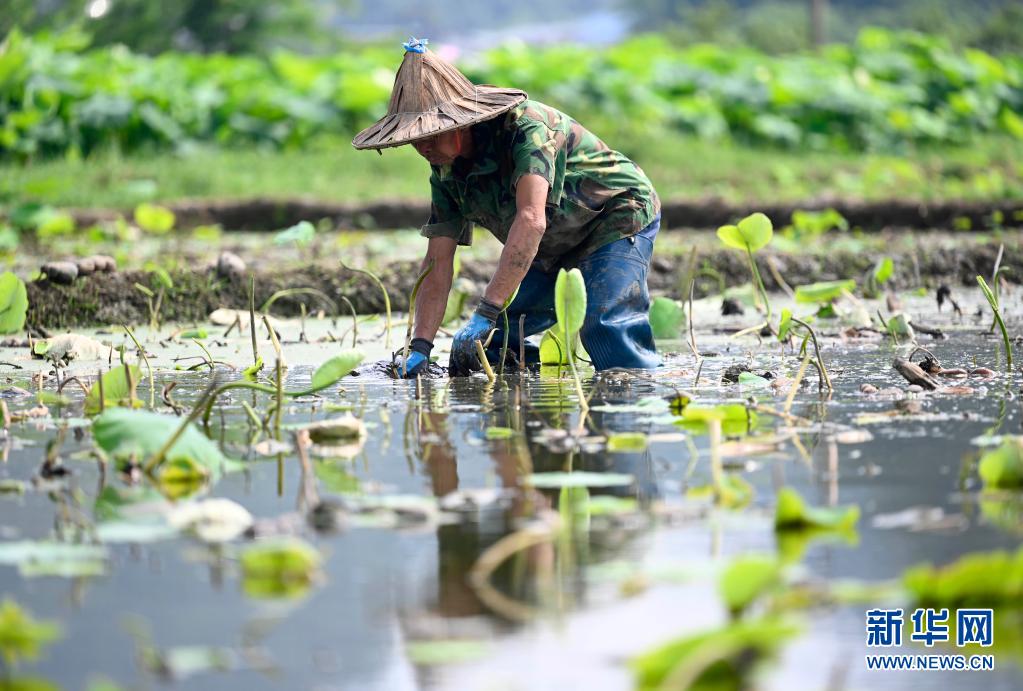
column 63, row 273
column 230, row 265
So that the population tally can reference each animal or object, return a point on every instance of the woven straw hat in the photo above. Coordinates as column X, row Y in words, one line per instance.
column 431, row 96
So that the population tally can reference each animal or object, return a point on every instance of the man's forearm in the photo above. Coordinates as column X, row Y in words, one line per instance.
column 432, row 300
column 519, row 251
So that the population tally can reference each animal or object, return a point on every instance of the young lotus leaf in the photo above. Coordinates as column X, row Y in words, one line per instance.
column 493, row 433
column 280, row 568
column 720, row 659
column 302, row 233
column 332, row 371
column 748, row 379
column 154, row 219
column 736, row 419
column 551, row 350
column 1002, row 468
column 900, row 328
column 667, row 317
column 985, row 579
column 785, row 325
column 22, row 636
column 753, row 233
column 115, row 390
column 627, row 442
column 792, row 513
column 579, row 478
column 252, row 370
column 446, row 652
column 825, row 291
column 746, row 579
column 13, row 303
column 883, row 270
column 570, row 301
column 125, row 434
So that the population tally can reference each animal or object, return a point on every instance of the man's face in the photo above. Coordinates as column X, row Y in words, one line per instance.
column 441, row 149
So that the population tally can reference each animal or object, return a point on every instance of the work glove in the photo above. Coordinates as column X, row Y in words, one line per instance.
column 418, row 359
column 464, row 359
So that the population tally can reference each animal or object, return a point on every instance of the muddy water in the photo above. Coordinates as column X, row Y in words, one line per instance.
column 580, row 608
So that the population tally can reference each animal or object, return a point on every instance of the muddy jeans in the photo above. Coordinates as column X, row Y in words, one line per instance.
column 616, row 331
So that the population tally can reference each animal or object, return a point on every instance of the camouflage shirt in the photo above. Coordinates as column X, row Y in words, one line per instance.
column 597, row 195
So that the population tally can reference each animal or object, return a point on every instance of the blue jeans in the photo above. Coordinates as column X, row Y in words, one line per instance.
column 616, row 331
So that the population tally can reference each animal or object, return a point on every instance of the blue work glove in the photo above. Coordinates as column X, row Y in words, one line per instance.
column 464, row 359
column 418, row 359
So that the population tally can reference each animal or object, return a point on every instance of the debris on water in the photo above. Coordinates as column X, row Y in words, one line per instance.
column 921, row 519
column 733, row 374
column 328, row 516
column 982, row 372
column 343, row 428
column 868, row 389
column 271, row 447
column 730, row 307
column 893, row 303
column 67, row 347
column 62, row 273
column 230, row 266
column 96, row 263
column 912, row 373
column 211, row 520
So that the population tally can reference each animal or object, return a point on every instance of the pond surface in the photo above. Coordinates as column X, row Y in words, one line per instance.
column 566, row 612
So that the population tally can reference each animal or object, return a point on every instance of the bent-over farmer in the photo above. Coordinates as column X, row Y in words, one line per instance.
column 552, row 192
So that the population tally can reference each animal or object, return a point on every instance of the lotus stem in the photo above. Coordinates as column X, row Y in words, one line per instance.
column 387, row 299
column 482, row 353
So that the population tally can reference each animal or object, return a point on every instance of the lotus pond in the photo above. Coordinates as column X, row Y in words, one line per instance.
column 723, row 523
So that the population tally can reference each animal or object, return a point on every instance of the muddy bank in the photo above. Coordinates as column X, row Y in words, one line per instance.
column 114, row 298
column 270, row 214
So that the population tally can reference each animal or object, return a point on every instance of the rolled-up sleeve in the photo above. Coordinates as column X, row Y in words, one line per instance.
column 446, row 219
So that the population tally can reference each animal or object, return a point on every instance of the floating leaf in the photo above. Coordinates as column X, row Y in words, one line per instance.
column 343, row 428
column 667, row 317
column 279, row 568
column 194, row 333
column 753, row 233
column 500, row 433
column 752, row 380
column 578, row 478
column 719, row 659
column 116, row 389
column 21, row 635
column 627, row 442
column 1002, row 468
column 445, row 652
column 138, row 434
column 792, row 513
column 302, row 233
column 825, row 291
column 736, row 419
column 13, row 303
column 153, row 218
column 984, row 579
column 746, row 579
column 332, row 371
column 48, row 558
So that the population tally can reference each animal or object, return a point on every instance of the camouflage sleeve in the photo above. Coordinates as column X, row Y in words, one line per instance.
column 540, row 150
column 446, row 219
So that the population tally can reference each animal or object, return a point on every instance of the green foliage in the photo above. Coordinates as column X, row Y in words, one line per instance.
column 751, row 234
column 883, row 270
column 716, row 660
column 21, row 635
column 1002, row 468
column 736, row 419
column 824, row 291
column 746, row 579
column 137, row 434
column 667, row 317
column 627, row 442
column 570, row 301
column 885, row 89
column 985, row 579
column 810, row 225
column 154, row 219
column 13, row 303
column 302, row 233
column 792, row 513
column 992, row 300
column 280, row 568
column 116, row 389
column 332, row 371
column 785, row 325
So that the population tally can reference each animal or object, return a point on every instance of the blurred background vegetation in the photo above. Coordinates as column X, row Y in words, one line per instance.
column 113, row 102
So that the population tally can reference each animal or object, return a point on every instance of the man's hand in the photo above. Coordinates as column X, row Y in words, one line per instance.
column 418, row 360
column 464, row 359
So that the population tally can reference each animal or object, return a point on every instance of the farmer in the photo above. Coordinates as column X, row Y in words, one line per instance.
column 553, row 193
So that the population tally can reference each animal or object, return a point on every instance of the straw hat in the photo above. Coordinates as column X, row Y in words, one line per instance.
column 431, row 96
